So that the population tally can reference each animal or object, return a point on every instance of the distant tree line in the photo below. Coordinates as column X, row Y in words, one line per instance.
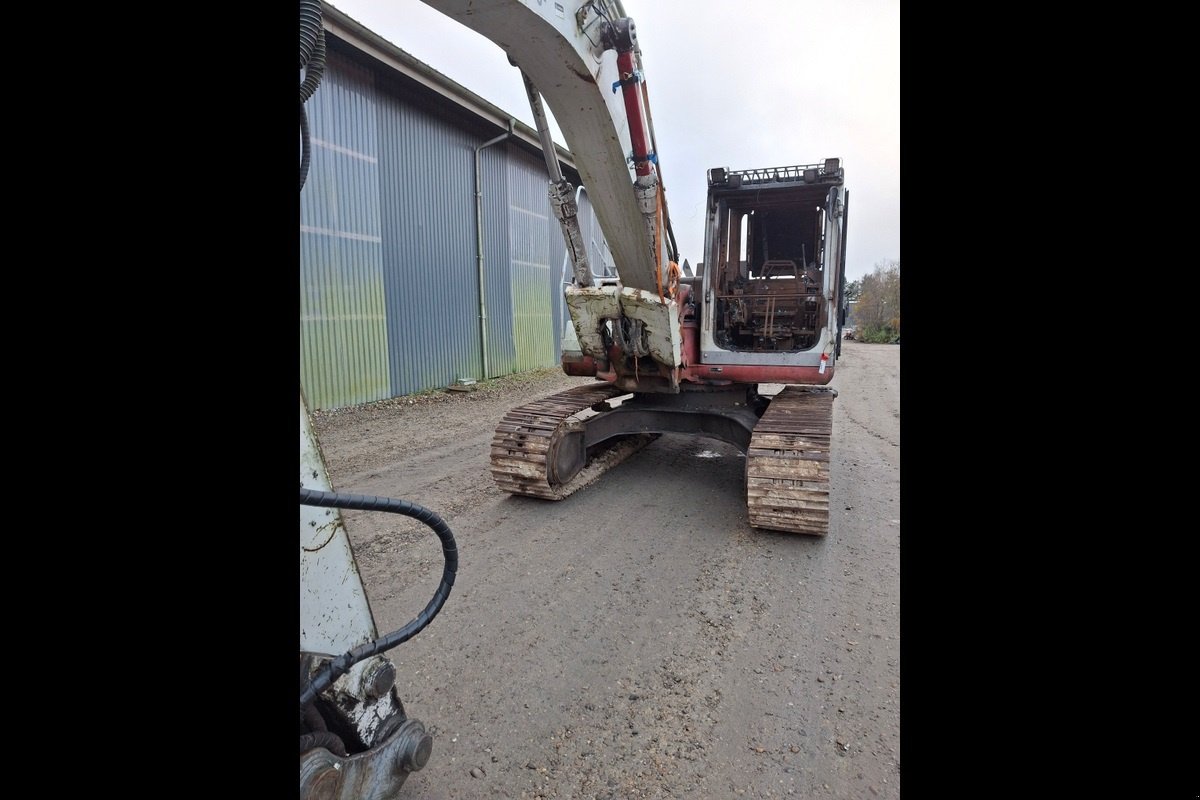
column 877, row 312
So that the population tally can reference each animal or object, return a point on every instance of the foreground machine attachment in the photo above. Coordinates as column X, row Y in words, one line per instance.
column 787, row 464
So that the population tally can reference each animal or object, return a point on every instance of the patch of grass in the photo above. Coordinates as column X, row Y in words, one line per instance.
column 872, row 335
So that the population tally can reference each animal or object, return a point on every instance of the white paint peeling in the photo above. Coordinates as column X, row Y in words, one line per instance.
column 661, row 321
column 589, row 308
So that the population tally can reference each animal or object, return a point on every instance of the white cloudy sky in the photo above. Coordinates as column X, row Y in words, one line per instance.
column 733, row 83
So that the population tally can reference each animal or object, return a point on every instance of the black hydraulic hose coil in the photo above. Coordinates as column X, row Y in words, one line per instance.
column 314, row 70
column 310, row 27
column 340, row 665
column 312, row 61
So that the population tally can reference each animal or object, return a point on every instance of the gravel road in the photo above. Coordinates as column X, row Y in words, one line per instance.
column 637, row 639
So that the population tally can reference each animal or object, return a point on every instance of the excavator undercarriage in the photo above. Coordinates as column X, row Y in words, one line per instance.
column 553, row 447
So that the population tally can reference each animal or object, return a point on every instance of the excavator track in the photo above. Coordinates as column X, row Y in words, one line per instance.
column 538, row 448
column 787, row 463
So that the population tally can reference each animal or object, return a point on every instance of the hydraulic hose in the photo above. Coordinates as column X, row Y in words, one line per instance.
column 672, row 249
column 305, row 147
column 342, row 664
column 315, row 69
column 310, row 27
column 312, row 61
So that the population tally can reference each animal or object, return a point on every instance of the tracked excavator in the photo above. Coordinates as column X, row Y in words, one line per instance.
column 672, row 351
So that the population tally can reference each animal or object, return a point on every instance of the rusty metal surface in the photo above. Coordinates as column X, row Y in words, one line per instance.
column 376, row 774
column 527, row 440
column 787, row 465
column 751, row 373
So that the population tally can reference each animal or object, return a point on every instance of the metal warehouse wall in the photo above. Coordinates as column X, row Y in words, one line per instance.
column 389, row 281
column 517, row 244
column 343, row 317
column 529, row 253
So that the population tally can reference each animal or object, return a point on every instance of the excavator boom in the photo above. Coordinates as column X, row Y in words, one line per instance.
column 571, row 52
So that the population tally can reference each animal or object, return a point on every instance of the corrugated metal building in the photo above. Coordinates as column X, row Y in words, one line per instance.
column 389, row 269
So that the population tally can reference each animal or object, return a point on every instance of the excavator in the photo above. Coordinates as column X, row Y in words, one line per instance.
column 671, row 351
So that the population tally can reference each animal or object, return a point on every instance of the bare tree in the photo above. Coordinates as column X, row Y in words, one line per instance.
column 877, row 312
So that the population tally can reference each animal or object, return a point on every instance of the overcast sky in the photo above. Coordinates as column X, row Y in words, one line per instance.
column 732, row 83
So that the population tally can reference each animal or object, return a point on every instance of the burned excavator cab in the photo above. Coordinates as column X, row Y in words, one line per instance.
column 774, row 243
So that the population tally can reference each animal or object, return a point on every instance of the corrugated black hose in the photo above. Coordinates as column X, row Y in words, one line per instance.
column 310, row 28
column 312, row 61
column 315, row 69
column 305, row 153
column 340, row 665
